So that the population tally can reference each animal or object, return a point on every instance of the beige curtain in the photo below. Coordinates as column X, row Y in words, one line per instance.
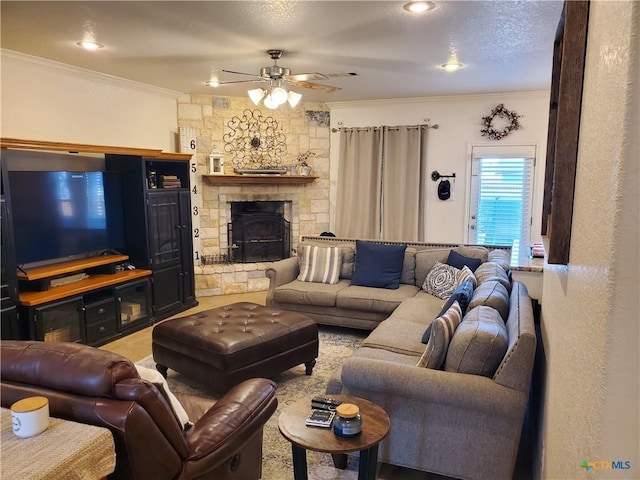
column 403, row 183
column 359, row 193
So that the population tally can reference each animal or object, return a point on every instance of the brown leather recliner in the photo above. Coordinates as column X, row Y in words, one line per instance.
column 93, row 386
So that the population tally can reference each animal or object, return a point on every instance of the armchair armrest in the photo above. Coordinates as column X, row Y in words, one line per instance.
column 230, row 423
column 281, row 273
column 457, row 390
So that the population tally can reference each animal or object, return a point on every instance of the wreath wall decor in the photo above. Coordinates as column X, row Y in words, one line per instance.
column 499, row 111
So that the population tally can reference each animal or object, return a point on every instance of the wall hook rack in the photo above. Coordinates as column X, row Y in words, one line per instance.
column 435, row 176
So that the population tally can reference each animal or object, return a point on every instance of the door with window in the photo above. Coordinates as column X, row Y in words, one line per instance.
column 500, row 202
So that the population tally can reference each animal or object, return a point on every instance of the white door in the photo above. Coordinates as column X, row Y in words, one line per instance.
column 501, row 190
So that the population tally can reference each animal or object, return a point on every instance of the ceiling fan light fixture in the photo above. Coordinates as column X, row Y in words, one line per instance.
column 270, row 103
column 294, row 98
column 212, row 83
column 90, row 45
column 419, row 7
column 279, row 95
column 256, row 95
column 452, row 66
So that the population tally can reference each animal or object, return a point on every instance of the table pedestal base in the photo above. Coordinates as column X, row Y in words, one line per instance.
column 367, row 465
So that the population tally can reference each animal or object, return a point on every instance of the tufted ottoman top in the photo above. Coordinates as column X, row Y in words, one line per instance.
column 232, row 336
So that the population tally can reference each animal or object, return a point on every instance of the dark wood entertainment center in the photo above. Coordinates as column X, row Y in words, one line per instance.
column 115, row 293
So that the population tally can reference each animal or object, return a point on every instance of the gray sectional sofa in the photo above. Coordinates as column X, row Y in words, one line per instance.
column 354, row 306
column 463, row 420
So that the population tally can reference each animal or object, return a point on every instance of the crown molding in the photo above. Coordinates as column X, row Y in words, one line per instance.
column 88, row 74
column 435, row 98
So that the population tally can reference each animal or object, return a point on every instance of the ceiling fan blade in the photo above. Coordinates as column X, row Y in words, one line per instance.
column 305, row 77
column 242, row 73
column 242, row 81
column 316, row 86
column 343, row 74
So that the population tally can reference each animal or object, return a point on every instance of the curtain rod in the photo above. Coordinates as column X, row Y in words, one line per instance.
column 435, row 126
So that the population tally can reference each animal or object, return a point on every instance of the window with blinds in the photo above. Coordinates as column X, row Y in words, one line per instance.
column 501, row 192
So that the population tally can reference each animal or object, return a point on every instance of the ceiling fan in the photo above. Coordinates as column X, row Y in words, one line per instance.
column 275, row 75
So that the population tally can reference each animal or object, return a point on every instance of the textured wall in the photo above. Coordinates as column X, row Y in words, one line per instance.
column 590, row 307
column 459, row 118
column 44, row 100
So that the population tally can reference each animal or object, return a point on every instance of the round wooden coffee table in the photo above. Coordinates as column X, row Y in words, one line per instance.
column 375, row 426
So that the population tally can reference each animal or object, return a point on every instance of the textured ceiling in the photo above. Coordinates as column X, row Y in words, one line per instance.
column 504, row 45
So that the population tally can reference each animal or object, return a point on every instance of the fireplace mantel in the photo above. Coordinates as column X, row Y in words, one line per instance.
column 258, row 179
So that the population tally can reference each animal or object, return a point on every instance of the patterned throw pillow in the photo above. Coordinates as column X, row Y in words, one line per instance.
column 441, row 280
column 320, row 264
column 442, row 331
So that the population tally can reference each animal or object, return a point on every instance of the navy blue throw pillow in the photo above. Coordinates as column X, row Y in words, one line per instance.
column 462, row 294
column 456, row 260
column 378, row 265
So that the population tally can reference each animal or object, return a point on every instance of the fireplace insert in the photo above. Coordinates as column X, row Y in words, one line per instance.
column 258, row 232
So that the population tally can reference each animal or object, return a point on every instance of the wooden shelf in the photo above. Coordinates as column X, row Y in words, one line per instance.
column 156, row 154
column 258, row 179
column 172, row 157
column 94, row 282
column 69, row 266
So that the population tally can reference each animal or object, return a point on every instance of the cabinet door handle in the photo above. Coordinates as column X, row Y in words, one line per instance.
column 103, row 329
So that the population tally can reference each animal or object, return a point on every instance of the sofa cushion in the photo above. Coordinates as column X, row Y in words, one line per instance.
column 492, row 271
column 473, row 251
column 421, row 309
column 501, row 257
column 307, row 293
column 441, row 280
column 491, row 294
column 378, row 265
column 456, row 260
column 396, row 335
column 479, row 343
column 370, row 299
column 462, row 294
column 442, row 331
column 319, row 264
column 426, row 259
column 409, row 266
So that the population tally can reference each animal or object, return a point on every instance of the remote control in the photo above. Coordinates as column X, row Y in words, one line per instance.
column 325, row 403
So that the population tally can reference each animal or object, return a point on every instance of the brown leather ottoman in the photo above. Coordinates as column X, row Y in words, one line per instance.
column 223, row 346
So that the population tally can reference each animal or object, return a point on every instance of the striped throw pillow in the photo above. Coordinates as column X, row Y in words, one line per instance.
column 467, row 274
column 442, row 330
column 320, row 264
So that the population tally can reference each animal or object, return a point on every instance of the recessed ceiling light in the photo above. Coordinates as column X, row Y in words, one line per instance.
column 90, row 45
column 418, row 7
column 452, row 66
column 212, row 83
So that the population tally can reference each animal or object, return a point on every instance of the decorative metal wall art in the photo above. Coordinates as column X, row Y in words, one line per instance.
column 256, row 143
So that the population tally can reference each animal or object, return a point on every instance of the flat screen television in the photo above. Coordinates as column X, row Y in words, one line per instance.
column 61, row 215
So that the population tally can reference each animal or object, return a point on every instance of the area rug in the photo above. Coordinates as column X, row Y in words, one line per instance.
column 336, row 344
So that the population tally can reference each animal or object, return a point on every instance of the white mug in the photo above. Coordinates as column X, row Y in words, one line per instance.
column 30, row 416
